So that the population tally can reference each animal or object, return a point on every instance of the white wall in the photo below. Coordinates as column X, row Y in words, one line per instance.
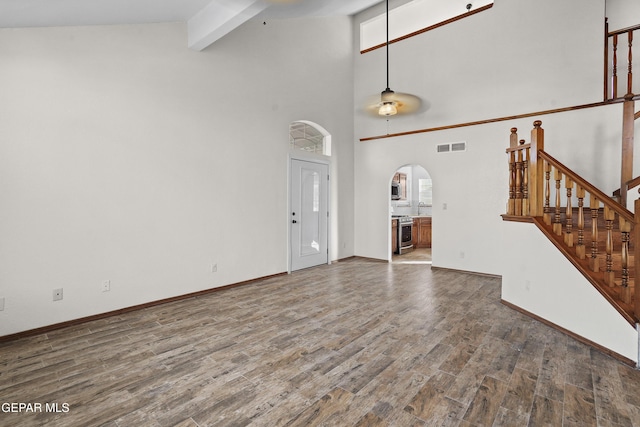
column 411, row 17
column 473, row 184
column 518, row 57
column 125, row 156
column 622, row 13
column 539, row 279
column 508, row 66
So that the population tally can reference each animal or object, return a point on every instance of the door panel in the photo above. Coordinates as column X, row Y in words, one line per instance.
column 309, row 214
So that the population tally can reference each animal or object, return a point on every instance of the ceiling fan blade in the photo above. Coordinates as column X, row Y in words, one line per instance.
column 407, row 103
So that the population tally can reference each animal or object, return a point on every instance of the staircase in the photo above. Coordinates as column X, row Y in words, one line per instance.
column 594, row 231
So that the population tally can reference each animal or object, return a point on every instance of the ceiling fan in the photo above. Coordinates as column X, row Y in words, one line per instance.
column 391, row 103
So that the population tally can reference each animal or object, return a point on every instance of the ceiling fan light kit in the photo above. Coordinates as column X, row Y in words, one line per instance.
column 388, row 109
column 387, row 104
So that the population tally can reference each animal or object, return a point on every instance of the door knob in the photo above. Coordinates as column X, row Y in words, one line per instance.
column 294, row 221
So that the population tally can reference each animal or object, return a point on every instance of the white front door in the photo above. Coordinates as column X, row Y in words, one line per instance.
column 309, row 220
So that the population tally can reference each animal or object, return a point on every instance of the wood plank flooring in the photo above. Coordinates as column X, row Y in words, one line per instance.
column 355, row 343
column 416, row 256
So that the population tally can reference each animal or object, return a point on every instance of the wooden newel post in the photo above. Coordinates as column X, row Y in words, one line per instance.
column 513, row 138
column 536, row 171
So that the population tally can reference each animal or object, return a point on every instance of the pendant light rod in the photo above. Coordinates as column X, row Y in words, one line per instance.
column 387, row 44
column 388, row 106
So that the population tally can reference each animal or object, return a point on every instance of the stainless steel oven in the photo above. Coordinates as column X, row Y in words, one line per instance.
column 405, row 233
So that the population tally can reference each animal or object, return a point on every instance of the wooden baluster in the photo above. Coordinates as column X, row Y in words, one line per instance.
column 547, row 193
column 636, row 259
column 594, row 262
column 525, row 181
column 609, row 217
column 511, row 206
column 630, row 73
column 606, row 59
column 519, row 184
column 568, row 235
column 580, row 249
column 513, row 142
column 614, row 77
column 557, row 222
column 625, row 291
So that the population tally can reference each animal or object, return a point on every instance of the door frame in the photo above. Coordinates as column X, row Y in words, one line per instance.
column 313, row 158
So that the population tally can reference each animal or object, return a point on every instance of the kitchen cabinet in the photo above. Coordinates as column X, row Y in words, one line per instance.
column 394, row 236
column 414, row 232
column 422, row 232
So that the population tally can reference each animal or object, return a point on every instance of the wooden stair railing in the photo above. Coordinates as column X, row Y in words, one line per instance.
column 627, row 185
column 592, row 230
column 612, row 41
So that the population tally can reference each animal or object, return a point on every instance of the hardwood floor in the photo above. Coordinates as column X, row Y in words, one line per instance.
column 355, row 343
column 416, row 256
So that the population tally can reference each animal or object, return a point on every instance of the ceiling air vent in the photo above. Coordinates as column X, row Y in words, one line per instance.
column 453, row 146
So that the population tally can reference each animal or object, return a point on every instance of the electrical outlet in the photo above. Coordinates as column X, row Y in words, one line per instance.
column 57, row 294
column 106, row 285
column 2, row 304
column 461, row 254
column 214, row 268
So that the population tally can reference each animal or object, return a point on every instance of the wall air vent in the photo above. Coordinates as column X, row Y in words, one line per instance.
column 453, row 146
column 459, row 146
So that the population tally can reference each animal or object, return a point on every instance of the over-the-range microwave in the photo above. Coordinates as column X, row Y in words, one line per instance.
column 395, row 190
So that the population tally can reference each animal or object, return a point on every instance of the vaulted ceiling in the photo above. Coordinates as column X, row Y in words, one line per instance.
column 207, row 20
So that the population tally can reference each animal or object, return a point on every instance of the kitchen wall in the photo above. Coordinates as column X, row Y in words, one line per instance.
column 521, row 56
column 125, row 156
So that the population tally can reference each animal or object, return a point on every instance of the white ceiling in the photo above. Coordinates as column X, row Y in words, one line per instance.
column 59, row 13
column 208, row 20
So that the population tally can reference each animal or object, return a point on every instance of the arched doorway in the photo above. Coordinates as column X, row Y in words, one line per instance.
column 308, row 216
column 410, row 209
